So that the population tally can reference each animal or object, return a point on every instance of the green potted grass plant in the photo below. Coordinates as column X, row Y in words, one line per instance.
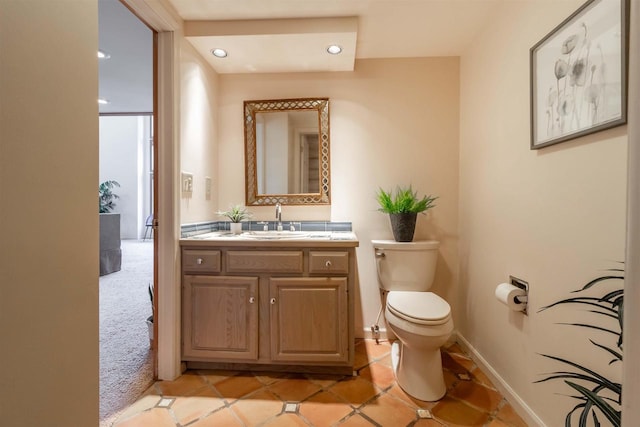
column 403, row 207
column 236, row 214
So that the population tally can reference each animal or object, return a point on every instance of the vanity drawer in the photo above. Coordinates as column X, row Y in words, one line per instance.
column 328, row 262
column 200, row 261
column 264, row 261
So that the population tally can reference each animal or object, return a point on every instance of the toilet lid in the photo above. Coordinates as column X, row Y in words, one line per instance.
column 425, row 308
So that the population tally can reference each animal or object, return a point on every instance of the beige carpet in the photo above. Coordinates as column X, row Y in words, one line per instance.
column 125, row 358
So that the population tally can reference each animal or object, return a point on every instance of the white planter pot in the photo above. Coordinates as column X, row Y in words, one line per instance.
column 235, row 227
column 150, row 326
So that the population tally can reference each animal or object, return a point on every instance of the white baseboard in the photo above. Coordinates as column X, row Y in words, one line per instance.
column 514, row 399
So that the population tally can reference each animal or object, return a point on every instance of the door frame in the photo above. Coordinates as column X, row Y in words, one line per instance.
column 164, row 21
column 631, row 370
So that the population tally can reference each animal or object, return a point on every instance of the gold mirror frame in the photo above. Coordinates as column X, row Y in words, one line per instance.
column 321, row 105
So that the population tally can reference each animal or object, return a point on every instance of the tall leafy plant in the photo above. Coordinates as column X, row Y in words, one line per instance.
column 106, row 196
column 597, row 397
column 403, row 208
column 405, row 200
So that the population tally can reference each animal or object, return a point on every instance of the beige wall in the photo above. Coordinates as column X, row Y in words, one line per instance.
column 554, row 217
column 48, row 213
column 393, row 122
column 198, row 134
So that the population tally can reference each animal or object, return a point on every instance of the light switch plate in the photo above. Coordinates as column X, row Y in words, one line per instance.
column 186, row 182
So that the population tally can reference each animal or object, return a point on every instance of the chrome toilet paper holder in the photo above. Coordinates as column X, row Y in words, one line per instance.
column 524, row 299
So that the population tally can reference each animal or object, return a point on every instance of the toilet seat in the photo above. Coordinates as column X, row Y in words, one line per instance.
column 423, row 308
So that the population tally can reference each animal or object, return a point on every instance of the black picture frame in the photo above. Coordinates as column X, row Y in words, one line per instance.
column 578, row 74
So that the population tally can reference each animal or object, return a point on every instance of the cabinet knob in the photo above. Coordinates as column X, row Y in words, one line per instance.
column 327, row 264
column 272, row 301
column 199, row 261
column 252, row 300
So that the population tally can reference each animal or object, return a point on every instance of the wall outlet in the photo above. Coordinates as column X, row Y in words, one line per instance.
column 207, row 188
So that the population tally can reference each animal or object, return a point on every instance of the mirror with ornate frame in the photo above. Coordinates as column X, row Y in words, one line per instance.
column 287, row 152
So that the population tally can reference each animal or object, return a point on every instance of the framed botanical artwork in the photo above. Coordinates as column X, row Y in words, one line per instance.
column 579, row 74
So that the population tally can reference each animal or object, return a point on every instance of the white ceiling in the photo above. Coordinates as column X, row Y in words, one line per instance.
column 386, row 28
column 276, row 45
column 285, row 36
column 126, row 79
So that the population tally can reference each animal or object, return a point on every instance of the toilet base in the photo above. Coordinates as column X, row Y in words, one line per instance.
column 418, row 372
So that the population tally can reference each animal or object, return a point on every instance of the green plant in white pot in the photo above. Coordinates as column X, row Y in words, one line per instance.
column 236, row 214
column 403, row 208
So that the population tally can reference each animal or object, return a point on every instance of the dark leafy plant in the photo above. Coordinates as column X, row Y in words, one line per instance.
column 153, row 308
column 405, row 200
column 150, row 319
column 597, row 396
column 106, row 196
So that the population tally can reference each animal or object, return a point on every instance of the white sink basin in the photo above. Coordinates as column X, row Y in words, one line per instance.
column 273, row 235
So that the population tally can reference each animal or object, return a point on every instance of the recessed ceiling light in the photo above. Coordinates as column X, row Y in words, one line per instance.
column 103, row 101
column 334, row 49
column 219, row 53
column 103, row 55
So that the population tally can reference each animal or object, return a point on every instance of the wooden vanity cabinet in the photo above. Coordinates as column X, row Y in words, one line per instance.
column 268, row 305
column 220, row 317
column 309, row 319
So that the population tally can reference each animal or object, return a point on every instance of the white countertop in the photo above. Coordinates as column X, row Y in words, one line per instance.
column 274, row 238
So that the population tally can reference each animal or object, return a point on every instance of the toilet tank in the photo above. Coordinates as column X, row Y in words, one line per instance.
column 406, row 266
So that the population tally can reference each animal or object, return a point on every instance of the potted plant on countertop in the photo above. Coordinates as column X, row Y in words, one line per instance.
column 403, row 208
column 236, row 214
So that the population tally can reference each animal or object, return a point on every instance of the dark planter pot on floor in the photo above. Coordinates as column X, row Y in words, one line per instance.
column 403, row 225
column 110, row 251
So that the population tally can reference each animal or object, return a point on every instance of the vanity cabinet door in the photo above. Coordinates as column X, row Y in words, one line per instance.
column 220, row 318
column 309, row 319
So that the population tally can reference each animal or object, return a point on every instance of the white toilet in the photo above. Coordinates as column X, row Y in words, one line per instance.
column 421, row 320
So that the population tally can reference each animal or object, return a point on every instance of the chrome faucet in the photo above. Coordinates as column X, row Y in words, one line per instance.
column 279, row 216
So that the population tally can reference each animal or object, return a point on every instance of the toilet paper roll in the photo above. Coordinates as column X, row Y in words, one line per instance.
column 506, row 293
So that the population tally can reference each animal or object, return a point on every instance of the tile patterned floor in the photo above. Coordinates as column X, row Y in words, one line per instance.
column 237, row 399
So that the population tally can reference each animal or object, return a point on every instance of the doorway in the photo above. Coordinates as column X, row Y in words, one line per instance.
column 128, row 156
